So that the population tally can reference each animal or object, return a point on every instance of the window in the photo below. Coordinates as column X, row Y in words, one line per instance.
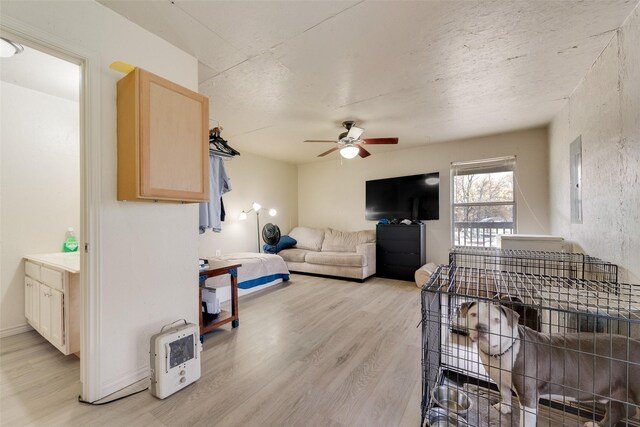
column 483, row 201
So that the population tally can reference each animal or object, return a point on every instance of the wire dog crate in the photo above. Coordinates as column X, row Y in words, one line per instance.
column 574, row 340
column 559, row 264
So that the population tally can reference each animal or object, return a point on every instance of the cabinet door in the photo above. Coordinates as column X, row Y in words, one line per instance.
column 28, row 284
column 173, row 162
column 163, row 144
column 29, row 304
column 56, row 300
column 45, row 311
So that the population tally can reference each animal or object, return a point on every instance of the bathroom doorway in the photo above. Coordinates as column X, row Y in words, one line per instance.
column 42, row 169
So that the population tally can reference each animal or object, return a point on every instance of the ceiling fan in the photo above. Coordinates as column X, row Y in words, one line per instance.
column 350, row 144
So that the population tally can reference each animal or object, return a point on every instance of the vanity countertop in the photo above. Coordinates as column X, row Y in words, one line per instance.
column 69, row 261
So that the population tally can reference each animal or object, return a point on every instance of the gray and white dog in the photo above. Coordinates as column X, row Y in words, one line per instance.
column 584, row 367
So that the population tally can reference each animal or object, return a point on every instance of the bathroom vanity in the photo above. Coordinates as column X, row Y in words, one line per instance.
column 52, row 298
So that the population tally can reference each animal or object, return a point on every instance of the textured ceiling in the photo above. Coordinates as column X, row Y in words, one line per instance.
column 277, row 73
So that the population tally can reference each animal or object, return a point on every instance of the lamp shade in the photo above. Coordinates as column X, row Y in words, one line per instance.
column 256, row 206
column 349, row 152
column 243, row 216
column 273, row 212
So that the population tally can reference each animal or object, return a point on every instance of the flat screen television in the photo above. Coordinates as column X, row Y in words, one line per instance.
column 414, row 197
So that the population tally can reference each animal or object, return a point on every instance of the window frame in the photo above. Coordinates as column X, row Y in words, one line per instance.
column 477, row 167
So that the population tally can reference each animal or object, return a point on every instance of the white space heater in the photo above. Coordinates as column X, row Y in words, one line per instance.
column 174, row 359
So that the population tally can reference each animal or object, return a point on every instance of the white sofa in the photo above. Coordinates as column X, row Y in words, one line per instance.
column 350, row 254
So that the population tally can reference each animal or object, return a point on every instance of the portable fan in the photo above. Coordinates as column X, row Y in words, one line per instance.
column 271, row 234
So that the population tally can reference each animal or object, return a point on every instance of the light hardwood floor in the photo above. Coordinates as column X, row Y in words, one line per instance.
column 312, row 352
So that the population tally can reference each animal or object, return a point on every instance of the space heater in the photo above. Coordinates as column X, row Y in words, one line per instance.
column 174, row 359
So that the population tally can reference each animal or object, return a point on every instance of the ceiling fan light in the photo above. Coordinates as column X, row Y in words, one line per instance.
column 9, row 48
column 349, row 152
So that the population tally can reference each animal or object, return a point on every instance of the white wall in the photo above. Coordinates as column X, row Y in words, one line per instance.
column 147, row 251
column 271, row 183
column 40, row 155
column 332, row 193
column 605, row 110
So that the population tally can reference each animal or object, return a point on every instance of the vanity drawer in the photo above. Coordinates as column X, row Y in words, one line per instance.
column 53, row 278
column 32, row 270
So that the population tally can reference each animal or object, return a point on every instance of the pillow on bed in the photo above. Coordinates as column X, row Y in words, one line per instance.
column 285, row 242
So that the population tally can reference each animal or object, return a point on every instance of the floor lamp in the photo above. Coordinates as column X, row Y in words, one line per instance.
column 257, row 207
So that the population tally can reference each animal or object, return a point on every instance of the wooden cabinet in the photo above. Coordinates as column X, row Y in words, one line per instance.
column 52, row 297
column 400, row 250
column 163, row 140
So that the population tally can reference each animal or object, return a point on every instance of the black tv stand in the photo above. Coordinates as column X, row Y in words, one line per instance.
column 400, row 250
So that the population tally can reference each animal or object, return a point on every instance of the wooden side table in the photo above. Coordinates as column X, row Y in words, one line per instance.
column 224, row 317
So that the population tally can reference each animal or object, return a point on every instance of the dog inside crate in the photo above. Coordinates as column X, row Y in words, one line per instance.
column 565, row 349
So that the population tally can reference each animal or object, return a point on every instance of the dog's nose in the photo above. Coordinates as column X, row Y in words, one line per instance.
column 481, row 327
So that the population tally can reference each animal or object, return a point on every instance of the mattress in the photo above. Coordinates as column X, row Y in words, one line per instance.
column 257, row 269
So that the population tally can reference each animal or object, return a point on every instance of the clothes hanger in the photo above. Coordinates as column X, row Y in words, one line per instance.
column 219, row 146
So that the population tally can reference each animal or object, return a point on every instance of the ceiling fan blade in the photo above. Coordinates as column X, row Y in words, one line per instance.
column 318, row 140
column 380, row 141
column 363, row 153
column 328, row 152
column 355, row 132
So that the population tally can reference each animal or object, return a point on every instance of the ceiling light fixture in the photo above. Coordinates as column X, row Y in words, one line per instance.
column 349, row 151
column 9, row 48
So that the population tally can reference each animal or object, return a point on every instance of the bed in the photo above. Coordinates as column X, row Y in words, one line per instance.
column 258, row 271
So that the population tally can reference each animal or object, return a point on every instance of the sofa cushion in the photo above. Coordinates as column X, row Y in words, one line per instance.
column 293, row 254
column 366, row 236
column 336, row 258
column 339, row 241
column 308, row 238
column 345, row 241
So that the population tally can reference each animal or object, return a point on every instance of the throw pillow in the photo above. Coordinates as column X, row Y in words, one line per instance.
column 285, row 242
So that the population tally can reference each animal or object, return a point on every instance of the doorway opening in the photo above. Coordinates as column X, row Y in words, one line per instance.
column 44, row 193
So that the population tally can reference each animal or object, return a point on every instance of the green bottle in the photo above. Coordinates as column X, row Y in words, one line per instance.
column 70, row 242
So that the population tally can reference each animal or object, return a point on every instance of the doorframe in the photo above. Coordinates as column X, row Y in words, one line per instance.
column 90, row 185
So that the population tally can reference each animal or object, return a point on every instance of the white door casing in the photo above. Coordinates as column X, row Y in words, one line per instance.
column 89, row 192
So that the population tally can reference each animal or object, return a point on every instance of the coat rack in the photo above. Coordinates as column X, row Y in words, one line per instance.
column 218, row 146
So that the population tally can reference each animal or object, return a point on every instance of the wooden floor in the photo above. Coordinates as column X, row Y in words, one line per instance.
column 312, row 352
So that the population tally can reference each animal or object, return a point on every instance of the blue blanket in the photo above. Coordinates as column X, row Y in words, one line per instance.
column 262, row 280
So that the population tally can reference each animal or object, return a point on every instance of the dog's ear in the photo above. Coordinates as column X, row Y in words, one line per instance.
column 512, row 316
column 465, row 306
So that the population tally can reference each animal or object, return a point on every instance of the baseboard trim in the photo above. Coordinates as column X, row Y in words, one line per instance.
column 126, row 381
column 15, row 330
